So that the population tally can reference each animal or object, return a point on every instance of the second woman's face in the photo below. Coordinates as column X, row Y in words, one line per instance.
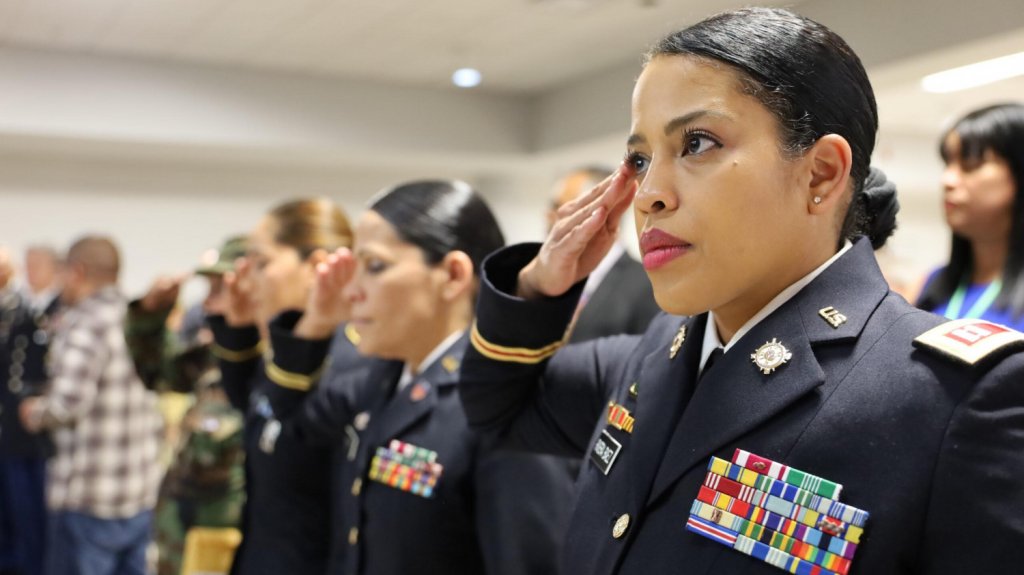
column 395, row 296
column 281, row 279
column 717, row 206
column 978, row 195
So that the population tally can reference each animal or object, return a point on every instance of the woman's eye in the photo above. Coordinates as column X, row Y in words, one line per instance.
column 637, row 162
column 375, row 266
column 696, row 144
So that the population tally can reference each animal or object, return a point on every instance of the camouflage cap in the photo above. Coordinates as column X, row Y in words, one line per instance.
column 217, row 262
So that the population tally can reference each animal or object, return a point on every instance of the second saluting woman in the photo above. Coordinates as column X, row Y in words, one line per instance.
column 420, row 492
column 287, row 515
column 801, row 415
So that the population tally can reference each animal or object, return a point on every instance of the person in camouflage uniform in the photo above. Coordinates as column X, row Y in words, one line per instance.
column 204, row 485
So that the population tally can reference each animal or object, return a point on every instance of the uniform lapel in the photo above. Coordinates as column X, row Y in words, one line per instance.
column 419, row 398
column 663, row 386
column 734, row 397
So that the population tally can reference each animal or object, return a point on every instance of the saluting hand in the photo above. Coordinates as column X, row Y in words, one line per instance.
column 583, row 233
column 163, row 294
column 240, row 303
column 326, row 307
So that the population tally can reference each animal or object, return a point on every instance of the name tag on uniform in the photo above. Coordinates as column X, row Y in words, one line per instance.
column 606, row 450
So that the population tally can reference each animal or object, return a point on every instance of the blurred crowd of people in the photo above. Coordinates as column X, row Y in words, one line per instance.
column 305, row 416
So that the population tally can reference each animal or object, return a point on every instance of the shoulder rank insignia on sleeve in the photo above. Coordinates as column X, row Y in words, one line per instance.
column 971, row 341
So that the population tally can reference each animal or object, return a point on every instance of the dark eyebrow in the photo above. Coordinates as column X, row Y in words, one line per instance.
column 678, row 122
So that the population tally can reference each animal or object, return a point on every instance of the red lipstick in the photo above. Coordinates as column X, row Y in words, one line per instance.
column 658, row 248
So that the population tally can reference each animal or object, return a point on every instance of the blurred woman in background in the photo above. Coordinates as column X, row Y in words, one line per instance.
column 984, row 157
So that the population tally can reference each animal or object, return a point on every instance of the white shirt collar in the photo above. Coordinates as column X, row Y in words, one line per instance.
column 408, row 375
column 711, row 339
column 602, row 269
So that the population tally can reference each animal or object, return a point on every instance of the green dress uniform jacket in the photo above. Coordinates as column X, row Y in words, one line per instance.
column 930, row 447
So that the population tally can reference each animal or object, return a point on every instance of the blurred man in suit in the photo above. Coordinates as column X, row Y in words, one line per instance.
column 617, row 298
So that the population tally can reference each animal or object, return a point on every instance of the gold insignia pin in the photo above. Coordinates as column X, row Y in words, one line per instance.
column 771, row 356
column 832, row 316
column 352, row 334
column 634, row 390
column 620, row 418
column 677, row 342
column 450, row 363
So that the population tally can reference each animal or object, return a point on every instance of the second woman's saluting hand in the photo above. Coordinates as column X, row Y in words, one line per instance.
column 585, row 230
column 326, row 307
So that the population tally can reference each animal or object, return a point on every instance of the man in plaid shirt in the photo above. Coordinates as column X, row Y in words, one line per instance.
column 104, row 477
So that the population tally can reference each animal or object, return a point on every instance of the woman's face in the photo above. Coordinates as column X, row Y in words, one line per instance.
column 718, row 207
column 281, row 279
column 396, row 297
column 978, row 195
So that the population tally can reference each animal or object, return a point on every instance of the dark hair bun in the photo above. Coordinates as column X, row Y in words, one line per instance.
column 878, row 208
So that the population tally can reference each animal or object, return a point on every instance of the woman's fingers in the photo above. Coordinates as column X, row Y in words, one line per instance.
column 607, row 194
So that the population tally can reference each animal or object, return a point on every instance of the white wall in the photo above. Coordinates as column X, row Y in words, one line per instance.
column 164, row 215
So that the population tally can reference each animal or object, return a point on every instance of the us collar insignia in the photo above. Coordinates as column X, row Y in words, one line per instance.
column 832, row 316
column 677, row 342
column 771, row 356
column 450, row 363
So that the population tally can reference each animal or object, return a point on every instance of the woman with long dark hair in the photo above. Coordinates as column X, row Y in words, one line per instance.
column 800, row 415
column 984, row 157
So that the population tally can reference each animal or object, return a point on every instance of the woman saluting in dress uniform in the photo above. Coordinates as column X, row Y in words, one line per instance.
column 419, row 491
column 842, row 431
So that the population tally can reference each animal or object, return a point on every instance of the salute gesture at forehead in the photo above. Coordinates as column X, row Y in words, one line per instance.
column 583, row 233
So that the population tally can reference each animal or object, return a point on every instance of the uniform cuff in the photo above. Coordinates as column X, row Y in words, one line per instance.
column 510, row 328
column 146, row 321
column 297, row 362
column 234, row 344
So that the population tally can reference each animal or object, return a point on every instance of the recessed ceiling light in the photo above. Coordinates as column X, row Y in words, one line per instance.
column 466, row 77
column 974, row 75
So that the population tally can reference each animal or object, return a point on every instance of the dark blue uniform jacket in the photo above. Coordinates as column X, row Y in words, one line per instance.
column 932, row 449
column 491, row 511
column 286, row 522
column 24, row 341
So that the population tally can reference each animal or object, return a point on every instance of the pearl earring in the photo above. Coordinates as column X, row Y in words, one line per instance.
column 817, row 199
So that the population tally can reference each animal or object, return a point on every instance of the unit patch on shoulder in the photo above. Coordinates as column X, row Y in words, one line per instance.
column 971, row 341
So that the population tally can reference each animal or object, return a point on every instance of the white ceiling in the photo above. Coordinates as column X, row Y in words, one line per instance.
column 519, row 45
column 522, row 46
column 904, row 107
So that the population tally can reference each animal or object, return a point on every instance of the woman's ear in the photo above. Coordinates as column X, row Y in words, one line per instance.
column 830, row 160
column 459, row 278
